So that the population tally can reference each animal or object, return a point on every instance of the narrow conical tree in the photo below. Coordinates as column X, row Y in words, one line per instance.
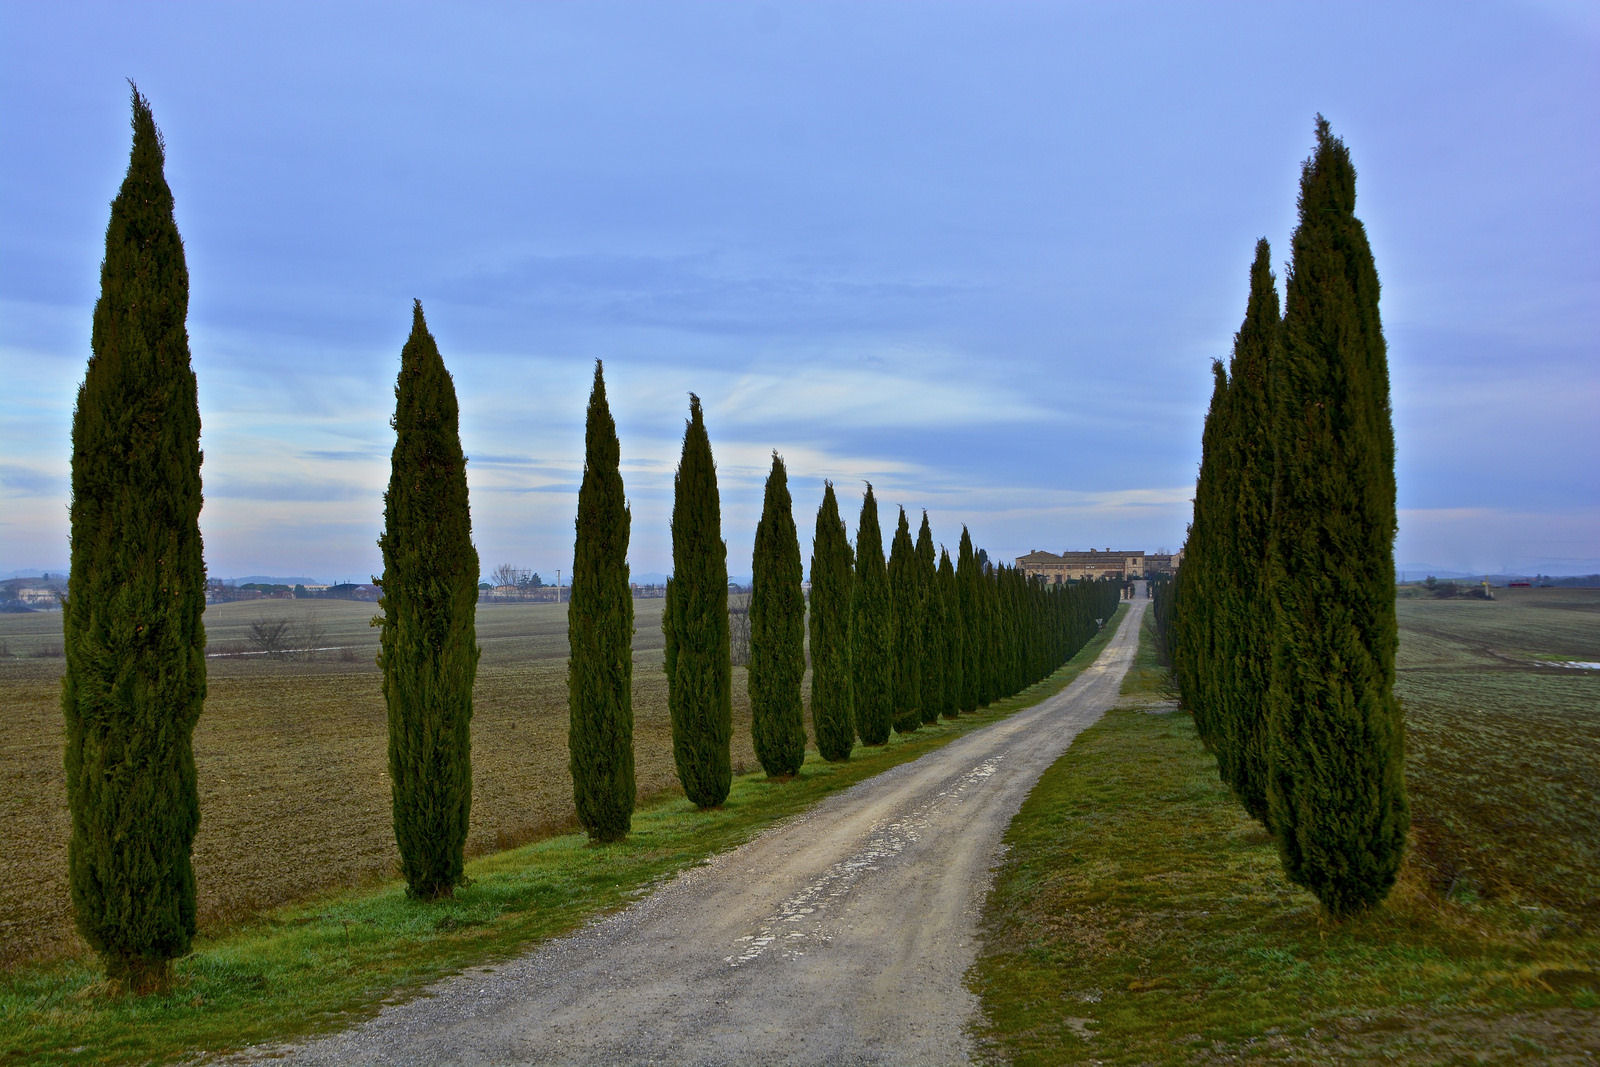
column 428, row 647
column 906, row 600
column 600, row 635
column 695, row 622
column 932, row 673
column 777, row 634
column 872, row 630
column 953, row 627
column 967, row 578
column 833, row 718
column 135, row 646
column 1198, row 605
column 1246, row 600
column 1336, row 784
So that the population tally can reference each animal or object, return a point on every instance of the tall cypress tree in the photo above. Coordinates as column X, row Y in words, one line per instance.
column 1336, row 784
column 1198, row 607
column 698, row 657
column 953, row 628
column 135, row 647
column 600, row 635
column 872, row 630
column 428, row 647
column 971, row 622
column 906, row 599
column 932, row 624
column 777, row 634
column 833, row 716
column 1245, row 601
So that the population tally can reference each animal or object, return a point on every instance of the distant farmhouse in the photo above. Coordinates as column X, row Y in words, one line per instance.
column 1076, row 566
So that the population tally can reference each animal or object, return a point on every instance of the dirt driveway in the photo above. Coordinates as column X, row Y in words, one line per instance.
column 838, row 937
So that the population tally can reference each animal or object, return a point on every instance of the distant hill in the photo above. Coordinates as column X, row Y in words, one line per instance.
column 35, row 572
column 265, row 579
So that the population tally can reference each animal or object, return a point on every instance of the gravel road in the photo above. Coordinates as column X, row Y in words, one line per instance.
column 840, row 936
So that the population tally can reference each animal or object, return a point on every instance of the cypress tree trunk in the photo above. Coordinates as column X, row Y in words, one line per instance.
column 428, row 641
column 698, row 657
column 833, row 717
column 971, row 621
column 777, row 634
column 955, row 641
column 933, row 640
column 1245, row 604
column 1336, row 785
column 135, row 646
column 872, row 630
column 600, row 636
column 905, row 596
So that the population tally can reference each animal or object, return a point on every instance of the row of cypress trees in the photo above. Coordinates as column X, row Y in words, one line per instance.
column 924, row 640
column 135, row 678
column 1281, row 623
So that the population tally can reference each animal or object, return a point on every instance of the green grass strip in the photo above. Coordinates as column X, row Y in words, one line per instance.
column 1141, row 917
column 327, row 964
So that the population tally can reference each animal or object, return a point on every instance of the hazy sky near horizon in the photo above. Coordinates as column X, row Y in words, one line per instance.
column 980, row 254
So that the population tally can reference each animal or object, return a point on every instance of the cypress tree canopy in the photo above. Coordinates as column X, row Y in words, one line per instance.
column 695, row 623
column 968, row 579
column 777, row 634
column 428, row 641
column 1336, row 788
column 955, row 639
column 906, row 598
column 932, row 673
column 872, row 630
column 832, row 666
column 1245, row 601
column 600, row 635
column 135, row 647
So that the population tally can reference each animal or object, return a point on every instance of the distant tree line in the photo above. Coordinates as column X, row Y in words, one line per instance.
column 1280, row 625
column 896, row 644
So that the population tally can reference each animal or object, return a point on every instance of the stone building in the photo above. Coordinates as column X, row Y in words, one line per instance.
column 1075, row 566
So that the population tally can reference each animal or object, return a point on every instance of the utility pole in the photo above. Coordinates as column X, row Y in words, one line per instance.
column 558, row 585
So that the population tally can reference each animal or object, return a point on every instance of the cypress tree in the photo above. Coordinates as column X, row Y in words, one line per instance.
column 1245, row 601
column 1336, row 785
column 971, row 622
column 1198, row 610
column 698, row 656
column 906, row 599
column 777, row 634
column 833, row 717
column 600, row 635
column 990, row 636
column 428, row 647
column 135, row 647
column 872, row 630
column 953, row 628
column 932, row 625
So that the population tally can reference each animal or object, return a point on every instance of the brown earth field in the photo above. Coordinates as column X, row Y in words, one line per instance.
column 1503, row 746
column 1503, row 753
column 292, row 758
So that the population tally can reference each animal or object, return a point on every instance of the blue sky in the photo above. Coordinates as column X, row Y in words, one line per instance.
column 980, row 254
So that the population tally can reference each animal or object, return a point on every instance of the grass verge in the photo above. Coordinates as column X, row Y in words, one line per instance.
column 1142, row 918
column 327, row 964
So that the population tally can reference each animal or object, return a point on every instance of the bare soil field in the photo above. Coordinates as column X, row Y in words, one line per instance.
column 292, row 758
column 1503, row 749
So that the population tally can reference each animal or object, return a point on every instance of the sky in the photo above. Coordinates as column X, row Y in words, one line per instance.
column 979, row 254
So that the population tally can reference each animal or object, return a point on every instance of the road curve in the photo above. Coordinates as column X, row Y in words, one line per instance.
column 840, row 936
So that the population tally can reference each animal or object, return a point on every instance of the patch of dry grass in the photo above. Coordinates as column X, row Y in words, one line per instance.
column 1141, row 917
column 292, row 759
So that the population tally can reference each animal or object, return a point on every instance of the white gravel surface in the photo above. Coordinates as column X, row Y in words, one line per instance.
column 840, row 936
